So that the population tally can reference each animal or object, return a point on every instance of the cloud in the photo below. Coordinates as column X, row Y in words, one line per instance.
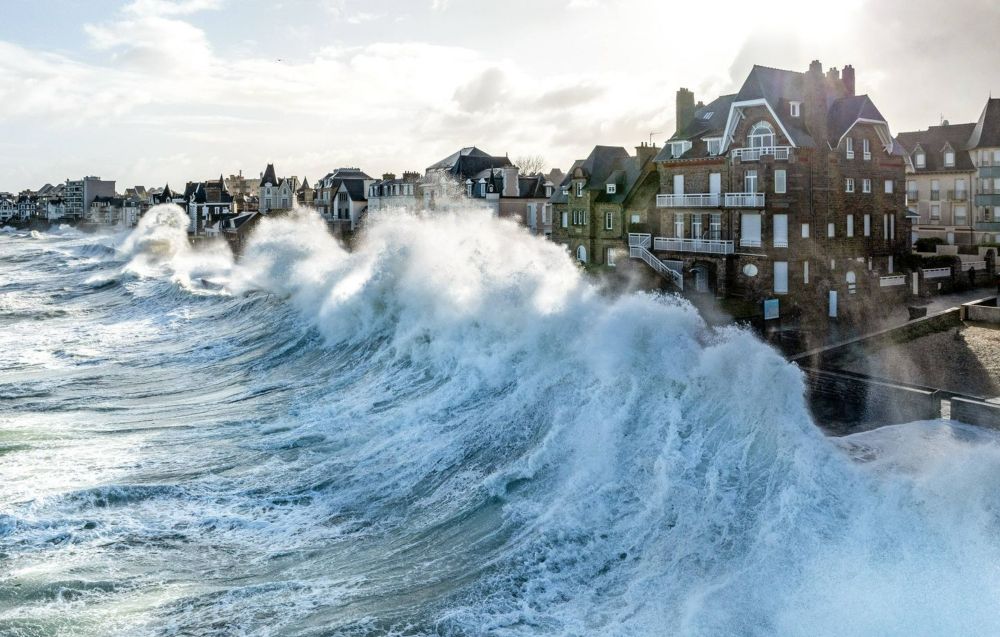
column 361, row 17
column 169, row 7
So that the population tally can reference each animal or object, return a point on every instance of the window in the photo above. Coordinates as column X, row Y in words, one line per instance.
column 889, row 186
column 679, row 148
column 935, row 190
column 805, row 272
column 805, row 231
column 960, row 190
column 636, row 218
column 949, row 158
column 750, row 230
column 715, row 226
column 708, row 115
column 609, row 258
column 609, row 220
column 850, row 225
column 935, row 212
column 849, row 145
column 780, row 180
column 960, row 216
column 678, row 184
column 714, row 145
column 866, row 148
column 849, row 185
column 565, row 219
column 581, row 254
column 482, row 188
column 780, row 231
column 612, row 189
column 831, row 230
column 921, row 160
column 750, row 181
column 761, row 135
column 852, row 283
column 866, row 185
column 885, row 227
column 795, row 109
column 468, row 188
column 696, row 226
column 579, row 189
column 679, row 225
column 868, row 225
column 781, row 277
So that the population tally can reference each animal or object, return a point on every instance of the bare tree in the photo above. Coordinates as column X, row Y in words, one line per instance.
column 530, row 164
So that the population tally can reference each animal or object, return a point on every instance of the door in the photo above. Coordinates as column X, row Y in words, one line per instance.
column 678, row 184
column 833, row 304
column 715, row 183
column 700, row 279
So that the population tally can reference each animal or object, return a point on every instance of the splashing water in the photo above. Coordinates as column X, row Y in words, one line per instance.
column 447, row 431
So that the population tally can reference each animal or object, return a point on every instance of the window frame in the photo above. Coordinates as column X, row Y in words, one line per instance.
column 849, row 184
column 783, row 181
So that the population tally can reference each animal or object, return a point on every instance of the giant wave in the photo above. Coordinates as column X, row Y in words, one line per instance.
column 447, row 431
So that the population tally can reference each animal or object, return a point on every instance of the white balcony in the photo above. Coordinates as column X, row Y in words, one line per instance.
column 744, row 200
column 705, row 246
column 701, row 200
column 750, row 243
column 754, row 154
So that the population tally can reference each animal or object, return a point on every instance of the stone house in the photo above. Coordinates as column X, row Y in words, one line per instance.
column 601, row 199
column 342, row 199
column 789, row 190
column 274, row 193
column 207, row 204
column 391, row 192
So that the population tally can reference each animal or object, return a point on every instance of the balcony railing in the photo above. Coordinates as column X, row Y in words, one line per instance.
column 988, row 226
column 754, row 154
column 744, row 200
column 958, row 195
column 707, row 246
column 702, row 200
column 987, row 199
column 750, row 243
column 989, row 171
column 937, row 273
column 892, row 281
column 912, row 196
column 935, row 195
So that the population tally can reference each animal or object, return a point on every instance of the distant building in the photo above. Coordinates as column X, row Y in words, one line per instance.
column 305, row 196
column 471, row 172
column 207, row 204
column 107, row 211
column 342, row 199
column 240, row 186
column 8, row 207
column 274, row 193
column 391, row 192
column 80, row 193
column 953, row 179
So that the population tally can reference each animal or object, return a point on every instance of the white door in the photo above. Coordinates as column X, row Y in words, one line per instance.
column 678, row 184
column 715, row 183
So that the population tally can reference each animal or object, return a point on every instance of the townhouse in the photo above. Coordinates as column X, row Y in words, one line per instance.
column 342, row 199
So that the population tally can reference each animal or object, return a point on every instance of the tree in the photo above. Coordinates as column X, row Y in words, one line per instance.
column 530, row 164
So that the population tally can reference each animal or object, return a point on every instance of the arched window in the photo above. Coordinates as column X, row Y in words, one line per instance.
column 581, row 254
column 761, row 135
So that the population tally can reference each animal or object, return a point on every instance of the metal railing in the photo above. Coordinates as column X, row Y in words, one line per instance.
column 750, row 243
column 639, row 252
column 754, row 154
column 958, row 195
column 744, row 200
column 987, row 226
column 892, row 280
column 639, row 239
column 970, row 265
column 700, row 200
column 912, row 196
column 707, row 246
column 937, row 273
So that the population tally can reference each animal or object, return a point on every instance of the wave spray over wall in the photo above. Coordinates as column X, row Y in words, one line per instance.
column 448, row 431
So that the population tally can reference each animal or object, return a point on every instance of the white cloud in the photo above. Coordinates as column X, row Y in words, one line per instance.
column 170, row 7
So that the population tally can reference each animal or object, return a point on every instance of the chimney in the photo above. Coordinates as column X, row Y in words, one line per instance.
column 833, row 73
column 510, row 185
column 815, row 107
column 388, row 176
column 815, row 68
column 645, row 152
column 685, row 108
column 848, row 79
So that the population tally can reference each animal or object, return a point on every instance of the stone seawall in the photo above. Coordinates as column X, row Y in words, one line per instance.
column 843, row 403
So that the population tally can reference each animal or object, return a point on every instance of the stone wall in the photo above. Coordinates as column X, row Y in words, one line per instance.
column 975, row 412
column 852, row 402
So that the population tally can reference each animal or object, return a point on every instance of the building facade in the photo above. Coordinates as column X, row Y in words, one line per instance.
column 80, row 193
column 790, row 190
column 274, row 193
column 342, row 199
column 391, row 192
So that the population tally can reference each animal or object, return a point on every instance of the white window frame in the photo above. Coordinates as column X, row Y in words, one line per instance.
column 805, row 231
column 920, row 160
column 565, row 218
column 758, row 139
column 609, row 220
column 866, row 186
column 579, row 189
column 850, row 225
column 779, row 230
column 849, row 184
column 612, row 189
column 781, row 277
column 949, row 162
column 795, row 109
column 805, row 272
column 867, row 222
column 849, row 146
column 780, row 181
column 890, row 186
column 866, row 149
column 935, row 211
column 609, row 257
column 713, row 145
column 831, row 230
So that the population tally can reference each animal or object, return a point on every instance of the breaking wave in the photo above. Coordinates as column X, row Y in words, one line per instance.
column 447, row 431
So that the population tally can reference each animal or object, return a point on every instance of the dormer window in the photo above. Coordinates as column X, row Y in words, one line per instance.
column 548, row 191
column 920, row 160
column 579, row 189
column 679, row 148
column 761, row 135
column 795, row 109
column 612, row 189
column 708, row 115
column 949, row 158
column 714, row 145
column 565, row 191
column 468, row 187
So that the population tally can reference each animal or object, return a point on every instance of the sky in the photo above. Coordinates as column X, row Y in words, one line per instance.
column 155, row 91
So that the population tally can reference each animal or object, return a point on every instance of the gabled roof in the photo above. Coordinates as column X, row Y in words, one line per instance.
column 708, row 121
column 600, row 163
column 933, row 141
column 987, row 131
column 355, row 189
column 846, row 111
column 305, row 185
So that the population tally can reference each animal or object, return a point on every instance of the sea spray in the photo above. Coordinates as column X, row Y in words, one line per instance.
column 449, row 431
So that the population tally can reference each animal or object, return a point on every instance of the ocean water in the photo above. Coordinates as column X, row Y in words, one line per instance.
column 448, row 431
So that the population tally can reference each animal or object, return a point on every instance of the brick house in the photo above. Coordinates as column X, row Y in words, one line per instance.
column 600, row 199
column 790, row 189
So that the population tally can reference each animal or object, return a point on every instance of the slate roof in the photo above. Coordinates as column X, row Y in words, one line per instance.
column 605, row 164
column 269, row 176
column 467, row 162
column 845, row 111
column 933, row 141
column 987, row 130
column 698, row 128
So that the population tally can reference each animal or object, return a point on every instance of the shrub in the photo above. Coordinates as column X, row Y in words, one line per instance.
column 928, row 244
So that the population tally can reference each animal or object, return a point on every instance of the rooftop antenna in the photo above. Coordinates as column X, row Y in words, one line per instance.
column 651, row 136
